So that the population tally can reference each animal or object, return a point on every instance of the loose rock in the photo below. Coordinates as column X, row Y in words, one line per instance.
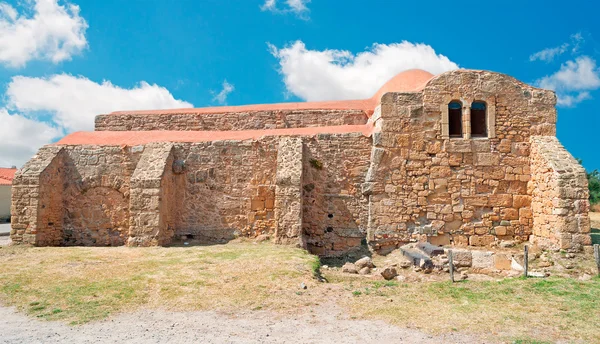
column 389, row 273
column 349, row 268
column 364, row 262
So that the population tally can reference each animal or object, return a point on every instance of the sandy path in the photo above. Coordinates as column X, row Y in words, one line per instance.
column 320, row 326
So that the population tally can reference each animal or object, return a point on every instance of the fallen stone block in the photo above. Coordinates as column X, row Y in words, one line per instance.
column 417, row 258
column 429, row 249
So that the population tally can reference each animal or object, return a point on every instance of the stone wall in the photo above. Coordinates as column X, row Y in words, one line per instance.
column 228, row 189
column 231, row 120
column 560, row 197
column 335, row 210
column 468, row 191
column 288, row 190
column 150, row 198
column 96, row 194
column 33, row 211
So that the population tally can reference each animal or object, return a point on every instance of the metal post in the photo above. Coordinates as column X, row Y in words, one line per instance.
column 451, row 265
column 526, row 261
column 597, row 256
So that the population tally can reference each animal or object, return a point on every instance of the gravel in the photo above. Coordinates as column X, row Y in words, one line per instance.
column 321, row 325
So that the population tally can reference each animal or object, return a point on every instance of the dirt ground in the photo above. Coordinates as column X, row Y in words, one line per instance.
column 324, row 324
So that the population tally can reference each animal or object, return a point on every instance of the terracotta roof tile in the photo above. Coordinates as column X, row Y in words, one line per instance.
column 7, row 175
column 132, row 138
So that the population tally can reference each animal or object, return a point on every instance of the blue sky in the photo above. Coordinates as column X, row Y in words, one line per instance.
column 62, row 62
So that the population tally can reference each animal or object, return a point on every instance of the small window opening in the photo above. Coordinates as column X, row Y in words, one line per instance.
column 478, row 120
column 329, row 229
column 455, row 119
column 330, row 216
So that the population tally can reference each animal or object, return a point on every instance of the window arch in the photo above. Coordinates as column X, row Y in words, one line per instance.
column 478, row 119
column 455, row 119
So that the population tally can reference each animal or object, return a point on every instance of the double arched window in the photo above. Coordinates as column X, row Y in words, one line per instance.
column 475, row 125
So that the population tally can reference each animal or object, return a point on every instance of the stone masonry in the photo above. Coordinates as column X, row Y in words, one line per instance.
column 329, row 176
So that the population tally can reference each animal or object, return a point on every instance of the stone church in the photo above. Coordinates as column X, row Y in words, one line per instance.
column 462, row 158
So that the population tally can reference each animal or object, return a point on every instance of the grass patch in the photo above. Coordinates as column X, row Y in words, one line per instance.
column 550, row 309
column 81, row 284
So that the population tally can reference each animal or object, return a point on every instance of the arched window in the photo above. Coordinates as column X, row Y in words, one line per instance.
column 455, row 119
column 478, row 120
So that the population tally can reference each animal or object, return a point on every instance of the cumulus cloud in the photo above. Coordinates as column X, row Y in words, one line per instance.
column 295, row 6
column 221, row 97
column 74, row 101
column 52, row 32
column 41, row 110
column 22, row 137
column 315, row 75
column 573, row 81
column 549, row 54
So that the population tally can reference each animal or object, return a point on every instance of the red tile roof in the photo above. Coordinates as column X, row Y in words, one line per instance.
column 7, row 175
column 132, row 138
column 408, row 81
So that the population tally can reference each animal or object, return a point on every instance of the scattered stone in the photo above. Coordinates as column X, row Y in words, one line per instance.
column 364, row 262
column 507, row 243
column 569, row 266
column 400, row 278
column 303, row 286
column 429, row 249
column 570, row 255
column 585, row 277
column 263, row 237
column 416, row 257
column 365, row 271
column 515, row 265
column 502, row 261
column 545, row 264
column 464, row 275
column 482, row 259
column 325, row 267
column 349, row 268
column 537, row 274
column 389, row 273
column 462, row 258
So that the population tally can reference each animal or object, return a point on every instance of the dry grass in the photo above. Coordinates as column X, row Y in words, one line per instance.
column 544, row 309
column 79, row 284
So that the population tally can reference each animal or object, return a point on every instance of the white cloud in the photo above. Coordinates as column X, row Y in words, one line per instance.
column 573, row 81
column 295, row 6
column 53, row 32
column 22, row 137
column 221, row 97
column 549, row 54
column 339, row 74
column 75, row 101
